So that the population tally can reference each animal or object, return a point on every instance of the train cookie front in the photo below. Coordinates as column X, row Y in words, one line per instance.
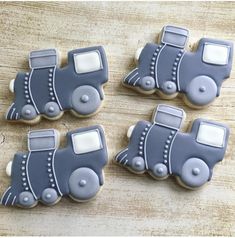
column 169, row 69
column 48, row 90
column 46, row 173
column 160, row 149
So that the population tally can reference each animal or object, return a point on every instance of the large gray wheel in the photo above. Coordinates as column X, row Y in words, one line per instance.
column 147, row 83
column 201, row 91
column 28, row 112
column 83, row 184
column 195, row 173
column 85, row 100
column 26, row 200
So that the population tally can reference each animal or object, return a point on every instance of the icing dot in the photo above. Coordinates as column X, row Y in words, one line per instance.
column 140, row 152
column 152, row 72
column 82, row 182
column 48, row 195
column 141, row 143
column 165, row 161
column 173, row 73
column 26, row 78
column 50, row 175
column 27, row 73
column 50, row 79
column 22, row 168
column 140, row 147
column 168, row 141
column 157, row 50
column 152, row 63
column 141, row 138
column 26, row 188
column 50, row 153
column 50, row 70
column 23, row 179
column 165, row 151
column 166, row 146
column 24, row 184
column 155, row 54
column 172, row 132
column 49, row 158
column 24, row 156
column 53, row 98
column 165, row 156
column 196, row 171
column 25, row 199
column 143, row 133
column 50, row 75
column 53, row 185
column 25, row 83
column 49, row 164
column 170, row 137
column 52, row 180
column 23, row 174
column 28, row 101
column 27, row 96
column 173, row 78
column 49, row 170
column 146, row 129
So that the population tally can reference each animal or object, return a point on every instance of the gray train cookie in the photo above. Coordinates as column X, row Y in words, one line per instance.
column 167, row 68
column 159, row 148
column 48, row 90
column 46, row 173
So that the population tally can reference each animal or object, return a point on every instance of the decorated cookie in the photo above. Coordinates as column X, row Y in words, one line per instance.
column 46, row 173
column 159, row 148
column 168, row 68
column 47, row 90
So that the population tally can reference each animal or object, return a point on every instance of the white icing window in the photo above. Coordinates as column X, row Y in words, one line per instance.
column 86, row 142
column 87, row 62
column 215, row 54
column 211, row 135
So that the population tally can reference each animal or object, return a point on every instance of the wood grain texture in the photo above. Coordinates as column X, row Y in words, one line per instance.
column 128, row 204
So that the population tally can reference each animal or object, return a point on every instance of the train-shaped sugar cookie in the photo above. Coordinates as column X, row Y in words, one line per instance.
column 168, row 68
column 48, row 90
column 46, row 173
column 159, row 148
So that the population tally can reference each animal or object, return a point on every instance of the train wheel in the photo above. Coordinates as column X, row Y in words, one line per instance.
column 52, row 109
column 201, row 91
column 195, row 173
column 160, row 171
column 28, row 112
column 138, row 164
column 27, row 200
column 147, row 83
column 169, row 88
column 85, row 100
column 83, row 184
column 49, row 196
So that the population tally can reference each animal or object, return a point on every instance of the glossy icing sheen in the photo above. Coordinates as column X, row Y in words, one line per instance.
column 47, row 173
column 48, row 90
column 159, row 148
column 169, row 68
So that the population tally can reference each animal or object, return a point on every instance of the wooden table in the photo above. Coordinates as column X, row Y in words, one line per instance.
column 128, row 204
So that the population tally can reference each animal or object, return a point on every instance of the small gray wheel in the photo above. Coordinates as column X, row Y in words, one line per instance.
column 49, row 196
column 138, row 164
column 28, row 112
column 160, row 170
column 169, row 87
column 52, row 109
column 147, row 83
column 85, row 100
column 201, row 91
column 195, row 173
column 83, row 184
column 26, row 199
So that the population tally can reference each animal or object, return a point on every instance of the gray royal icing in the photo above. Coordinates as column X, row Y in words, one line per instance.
column 159, row 148
column 168, row 67
column 46, row 173
column 49, row 90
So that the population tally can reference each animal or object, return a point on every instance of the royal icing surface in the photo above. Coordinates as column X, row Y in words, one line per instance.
column 168, row 68
column 48, row 90
column 159, row 148
column 46, row 173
